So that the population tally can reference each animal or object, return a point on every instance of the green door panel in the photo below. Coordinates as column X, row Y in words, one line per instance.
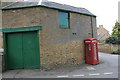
column 30, row 50
column 23, row 50
column 14, row 48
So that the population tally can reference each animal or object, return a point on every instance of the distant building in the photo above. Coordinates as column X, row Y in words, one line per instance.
column 102, row 33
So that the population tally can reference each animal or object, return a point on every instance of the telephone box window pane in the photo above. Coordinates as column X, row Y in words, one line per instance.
column 88, row 50
column 95, row 53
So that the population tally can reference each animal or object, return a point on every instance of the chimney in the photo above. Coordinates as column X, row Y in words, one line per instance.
column 100, row 26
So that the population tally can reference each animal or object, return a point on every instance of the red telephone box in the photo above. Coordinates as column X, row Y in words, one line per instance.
column 91, row 50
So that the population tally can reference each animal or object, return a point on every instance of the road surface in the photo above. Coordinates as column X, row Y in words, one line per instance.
column 108, row 68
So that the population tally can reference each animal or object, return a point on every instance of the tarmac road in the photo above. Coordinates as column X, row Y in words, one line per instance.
column 108, row 68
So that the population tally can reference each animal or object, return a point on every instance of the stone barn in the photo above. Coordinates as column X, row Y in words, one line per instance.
column 45, row 36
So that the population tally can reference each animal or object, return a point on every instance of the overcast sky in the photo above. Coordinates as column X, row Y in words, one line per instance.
column 105, row 10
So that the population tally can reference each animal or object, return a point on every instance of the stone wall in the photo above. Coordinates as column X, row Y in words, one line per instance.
column 62, row 54
column 1, row 41
column 107, row 48
column 57, row 46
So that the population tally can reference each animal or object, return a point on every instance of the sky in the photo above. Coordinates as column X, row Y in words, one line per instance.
column 105, row 10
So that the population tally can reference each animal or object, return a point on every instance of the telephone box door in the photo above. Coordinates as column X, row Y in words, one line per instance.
column 91, row 51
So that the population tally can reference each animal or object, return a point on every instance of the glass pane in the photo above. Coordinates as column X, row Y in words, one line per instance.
column 95, row 53
column 63, row 20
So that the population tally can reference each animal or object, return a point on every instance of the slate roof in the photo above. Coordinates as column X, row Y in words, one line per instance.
column 101, row 35
column 67, row 7
column 49, row 4
column 17, row 4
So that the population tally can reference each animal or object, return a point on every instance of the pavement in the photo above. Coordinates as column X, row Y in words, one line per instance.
column 107, row 68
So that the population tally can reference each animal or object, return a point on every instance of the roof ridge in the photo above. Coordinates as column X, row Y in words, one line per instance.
column 63, row 4
column 53, row 5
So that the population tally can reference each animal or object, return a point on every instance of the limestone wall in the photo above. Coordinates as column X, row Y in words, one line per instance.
column 57, row 46
column 107, row 48
column 1, row 38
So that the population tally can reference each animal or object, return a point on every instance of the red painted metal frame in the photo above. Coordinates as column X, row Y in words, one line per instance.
column 90, row 56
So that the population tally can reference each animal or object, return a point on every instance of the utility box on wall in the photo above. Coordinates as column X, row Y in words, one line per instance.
column 1, row 61
column 91, row 51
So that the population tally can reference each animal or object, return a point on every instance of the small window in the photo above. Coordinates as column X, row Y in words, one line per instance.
column 63, row 19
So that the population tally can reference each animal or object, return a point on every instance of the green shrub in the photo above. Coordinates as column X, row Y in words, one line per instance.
column 116, row 52
column 113, row 40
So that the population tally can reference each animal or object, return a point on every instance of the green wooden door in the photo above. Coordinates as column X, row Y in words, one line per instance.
column 23, row 50
column 14, row 48
column 31, row 50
